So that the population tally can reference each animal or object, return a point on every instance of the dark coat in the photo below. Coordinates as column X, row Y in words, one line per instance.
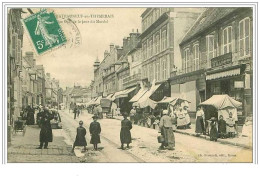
column 125, row 134
column 80, row 138
column 39, row 118
column 213, row 131
column 30, row 116
column 46, row 131
column 95, row 130
column 222, row 126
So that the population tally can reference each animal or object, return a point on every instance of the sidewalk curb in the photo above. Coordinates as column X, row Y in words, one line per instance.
column 208, row 138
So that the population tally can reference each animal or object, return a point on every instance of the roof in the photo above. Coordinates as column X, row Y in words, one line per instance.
column 208, row 18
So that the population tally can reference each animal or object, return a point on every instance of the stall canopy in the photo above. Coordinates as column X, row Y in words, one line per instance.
column 139, row 94
column 222, row 102
column 123, row 93
column 145, row 100
column 174, row 100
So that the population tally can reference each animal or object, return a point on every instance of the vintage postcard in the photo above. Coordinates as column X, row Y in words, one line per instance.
column 148, row 84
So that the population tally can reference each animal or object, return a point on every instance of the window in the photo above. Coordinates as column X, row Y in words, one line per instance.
column 145, row 51
column 186, row 59
column 244, row 39
column 157, row 13
column 196, row 56
column 164, row 69
column 150, row 47
column 157, row 71
column 210, row 48
column 164, row 39
column 227, row 40
column 151, row 77
column 157, row 43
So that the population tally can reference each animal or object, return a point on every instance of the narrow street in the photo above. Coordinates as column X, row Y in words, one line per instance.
column 144, row 147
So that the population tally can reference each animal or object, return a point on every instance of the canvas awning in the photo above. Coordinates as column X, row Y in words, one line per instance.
column 223, row 74
column 145, row 100
column 139, row 94
column 110, row 96
column 97, row 101
column 123, row 93
column 222, row 102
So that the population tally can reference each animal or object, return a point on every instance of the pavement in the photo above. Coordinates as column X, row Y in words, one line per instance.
column 23, row 148
column 243, row 140
column 144, row 146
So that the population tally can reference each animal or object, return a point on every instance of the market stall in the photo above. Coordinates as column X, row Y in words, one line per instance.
column 220, row 105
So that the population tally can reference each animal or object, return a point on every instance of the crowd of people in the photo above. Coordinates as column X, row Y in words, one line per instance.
column 216, row 128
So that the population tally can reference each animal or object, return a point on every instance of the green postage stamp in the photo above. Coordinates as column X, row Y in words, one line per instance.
column 45, row 31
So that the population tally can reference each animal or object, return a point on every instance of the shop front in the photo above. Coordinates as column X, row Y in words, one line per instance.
column 190, row 86
column 232, row 81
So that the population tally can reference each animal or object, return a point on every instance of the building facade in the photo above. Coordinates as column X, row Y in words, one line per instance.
column 163, row 29
column 14, row 64
column 217, row 56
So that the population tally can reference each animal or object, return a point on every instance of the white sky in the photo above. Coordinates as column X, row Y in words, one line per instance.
column 75, row 65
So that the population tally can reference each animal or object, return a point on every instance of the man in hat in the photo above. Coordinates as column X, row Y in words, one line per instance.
column 165, row 128
column 80, row 137
column 46, row 131
column 95, row 130
column 125, row 134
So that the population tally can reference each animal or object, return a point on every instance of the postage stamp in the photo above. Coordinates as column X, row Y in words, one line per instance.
column 45, row 31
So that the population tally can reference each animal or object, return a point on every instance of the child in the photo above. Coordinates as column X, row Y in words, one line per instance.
column 95, row 131
column 80, row 138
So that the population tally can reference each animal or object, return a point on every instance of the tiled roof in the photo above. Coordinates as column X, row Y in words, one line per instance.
column 208, row 18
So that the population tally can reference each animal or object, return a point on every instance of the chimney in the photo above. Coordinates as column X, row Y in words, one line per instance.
column 111, row 47
column 105, row 53
column 29, row 57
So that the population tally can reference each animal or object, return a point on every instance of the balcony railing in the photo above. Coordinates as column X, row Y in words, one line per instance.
column 130, row 80
column 217, row 60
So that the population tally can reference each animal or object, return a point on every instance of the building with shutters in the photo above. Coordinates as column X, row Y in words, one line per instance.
column 217, row 57
column 14, row 64
column 162, row 31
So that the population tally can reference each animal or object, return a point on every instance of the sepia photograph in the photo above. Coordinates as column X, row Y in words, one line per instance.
column 154, row 84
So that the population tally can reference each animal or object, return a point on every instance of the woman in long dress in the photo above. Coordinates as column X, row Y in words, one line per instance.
column 199, row 121
column 95, row 130
column 165, row 128
column 181, row 119
column 125, row 134
column 231, row 130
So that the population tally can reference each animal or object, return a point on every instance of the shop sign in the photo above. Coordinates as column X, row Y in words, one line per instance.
column 221, row 60
column 239, row 84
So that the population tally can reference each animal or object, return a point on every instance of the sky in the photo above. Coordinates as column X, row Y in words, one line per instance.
column 73, row 64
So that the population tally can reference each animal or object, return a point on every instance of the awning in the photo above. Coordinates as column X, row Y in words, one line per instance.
column 110, row 96
column 123, row 93
column 145, row 100
column 222, row 101
column 139, row 94
column 97, row 101
column 223, row 74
